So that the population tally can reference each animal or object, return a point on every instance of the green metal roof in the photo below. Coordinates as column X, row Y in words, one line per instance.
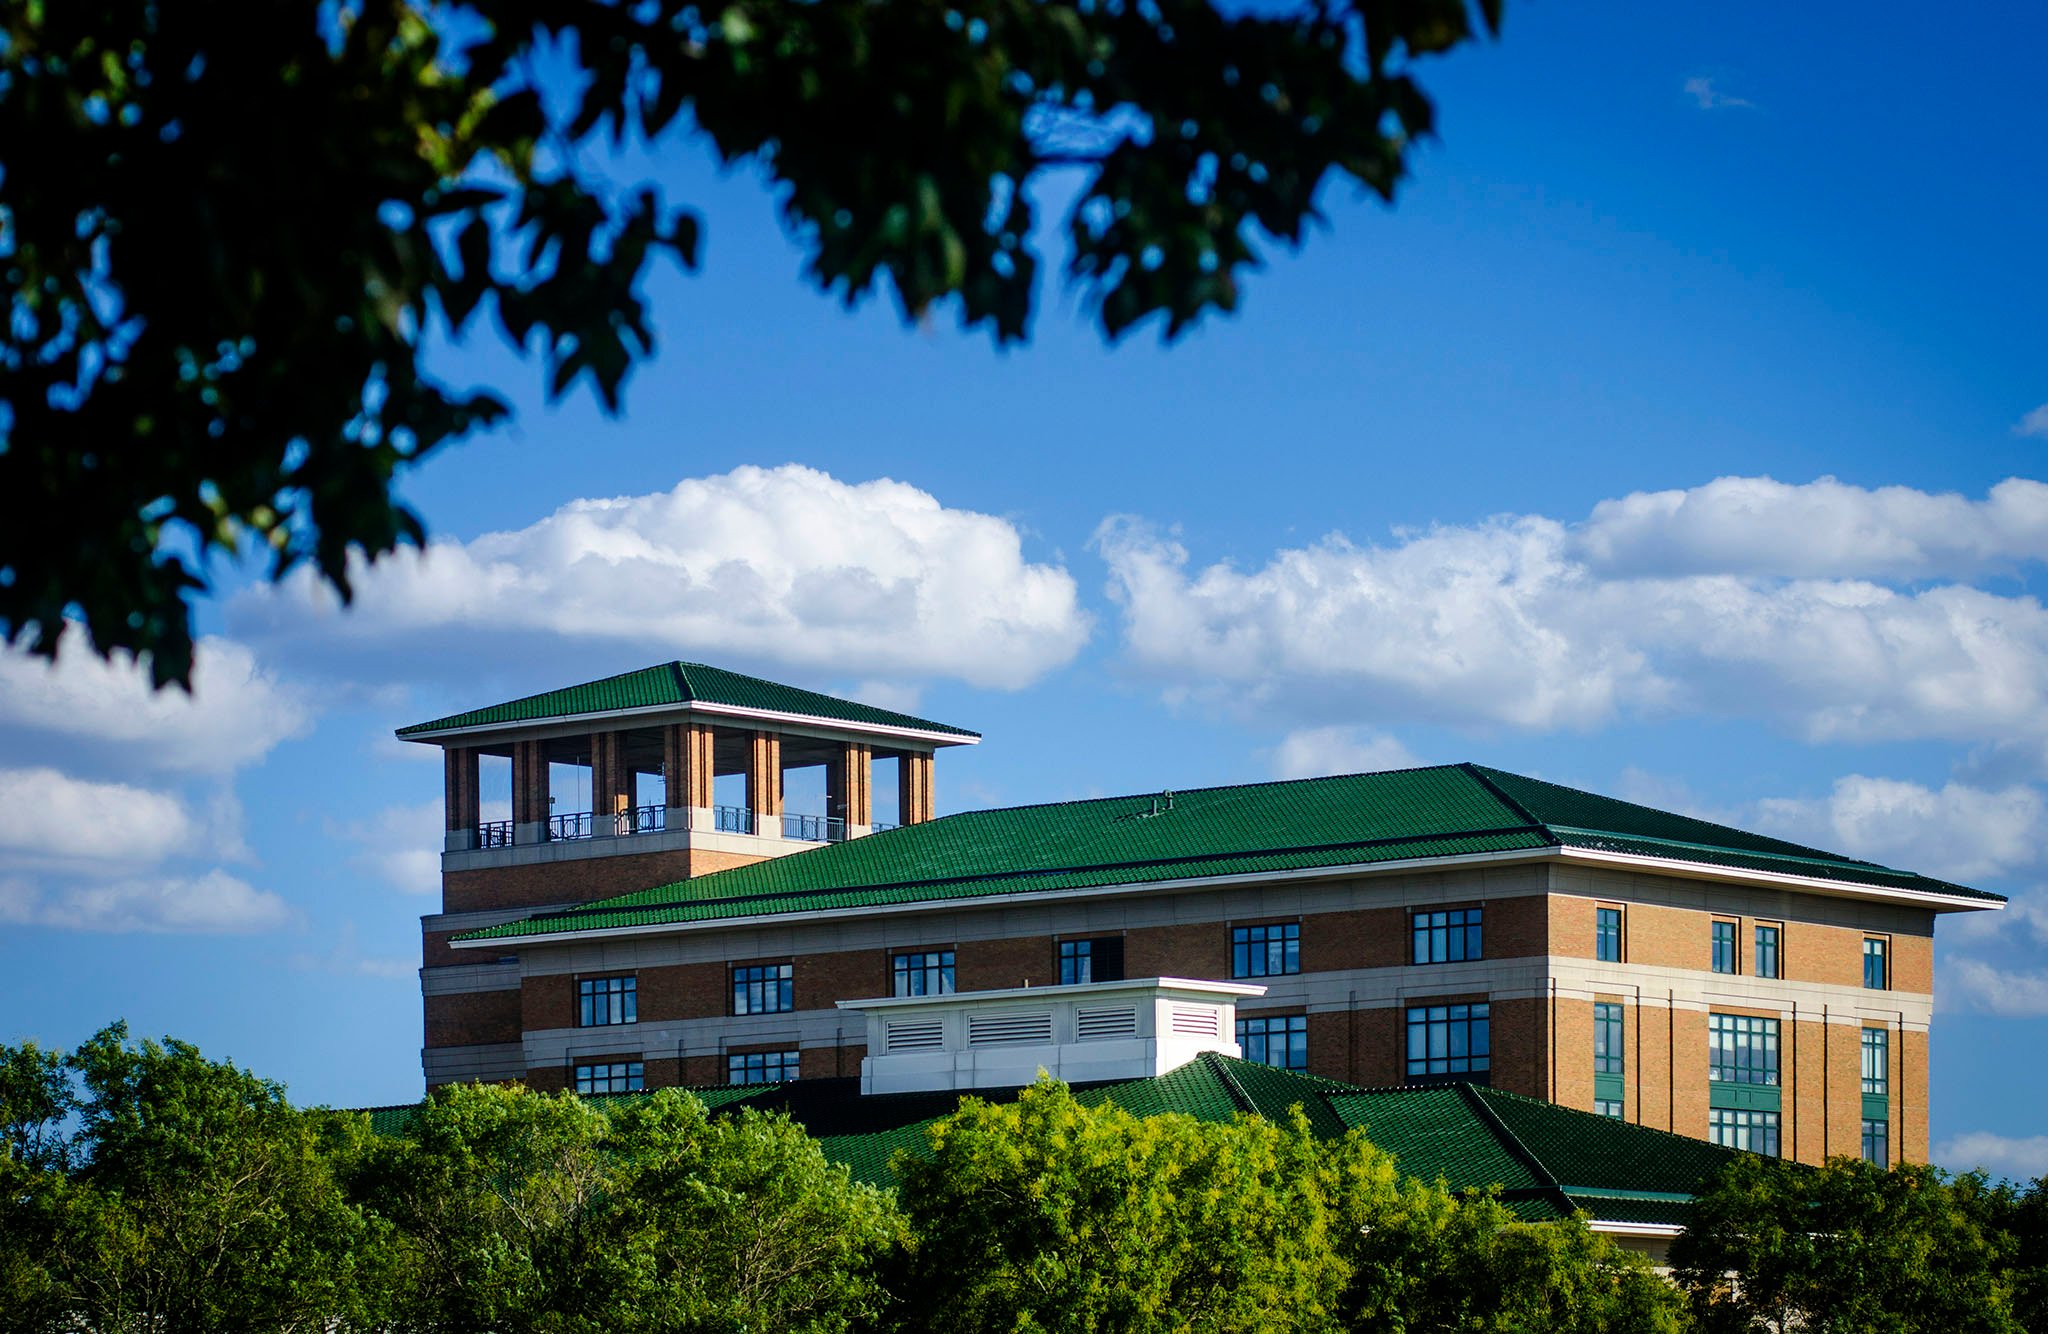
column 1546, row 1161
column 1356, row 819
column 677, row 684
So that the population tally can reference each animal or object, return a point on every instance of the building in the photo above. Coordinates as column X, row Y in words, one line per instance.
column 1454, row 924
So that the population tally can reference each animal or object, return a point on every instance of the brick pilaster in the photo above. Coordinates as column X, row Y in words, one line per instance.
column 611, row 786
column 459, row 788
column 764, row 781
column 914, row 787
column 849, row 790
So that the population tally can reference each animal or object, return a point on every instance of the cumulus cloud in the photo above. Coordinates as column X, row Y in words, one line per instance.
column 105, row 709
column 401, row 845
column 50, row 817
column 786, row 565
column 1710, row 98
column 1973, row 984
column 1823, row 529
column 1511, row 621
column 1313, row 752
column 215, row 903
column 2034, row 424
column 2022, row 1157
column 1956, row 831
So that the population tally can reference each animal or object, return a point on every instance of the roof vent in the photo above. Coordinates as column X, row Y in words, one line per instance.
column 1002, row 1039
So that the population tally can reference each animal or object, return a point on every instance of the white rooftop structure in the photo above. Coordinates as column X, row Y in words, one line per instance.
column 1086, row 1032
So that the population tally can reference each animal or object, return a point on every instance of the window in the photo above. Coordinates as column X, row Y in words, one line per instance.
column 927, row 973
column 1092, row 960
column 1607, row 1107
column 764, row 989
column 1767, row 952
column 1607, row 935
column 1875, row 975
column 761, row 1067
column 1742, row 1049
column 611, row 1077
column 1447, row 937
column 1265, row 951
column 1724, row 947
column 1281, row 1040
column 606, row 1000
column 1877, row 1142
column 1606, row 1038
column 1449, row 1041
column 1877, row 1064
column 1736, row 1129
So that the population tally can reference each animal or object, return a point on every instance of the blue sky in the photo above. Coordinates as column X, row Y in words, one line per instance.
column 1668, row 439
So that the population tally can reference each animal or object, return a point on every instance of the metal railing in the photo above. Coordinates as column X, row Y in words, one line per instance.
column 644, row 820
column 494, row 834
column 881, row 825
column 733, row 819
column 562, row 827
column 814, row 828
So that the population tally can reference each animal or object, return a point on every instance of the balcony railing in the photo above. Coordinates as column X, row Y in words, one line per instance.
column 814, row 828
column 654, row 820
column 881, row 825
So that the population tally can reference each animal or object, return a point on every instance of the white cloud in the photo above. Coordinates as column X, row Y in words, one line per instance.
column 215, row 903
column 1959, row 832
column 51, row 817
column 1822, row 529
column 786, row 565
column 1709, row 98
column 2023, row 1157
column 1507, row 622
column 237, row 711
column 1975, row 985
column 399, row 844
column 1315, row 751
column 2034, row 424
column 346, row 959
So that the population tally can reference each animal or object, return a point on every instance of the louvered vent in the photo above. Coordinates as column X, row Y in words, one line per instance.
column 986, row 1030
column 1196, row 1022
column 1116, row 1022
column 916, row 1034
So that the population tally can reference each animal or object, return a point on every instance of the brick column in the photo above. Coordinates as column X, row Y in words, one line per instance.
column 529, row 792
column 764, row 782
column 611, row 786
column 459, row 798
column 849, row 791
column 687, row 769
column 914, row 787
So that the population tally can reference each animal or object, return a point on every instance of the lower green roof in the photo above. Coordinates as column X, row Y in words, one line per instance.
column 1545, row 1160
column 1256, row 828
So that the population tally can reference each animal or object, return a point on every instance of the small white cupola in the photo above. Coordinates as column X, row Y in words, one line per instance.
column 1087, row 1032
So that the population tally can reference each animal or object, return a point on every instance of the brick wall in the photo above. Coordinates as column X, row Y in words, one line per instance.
column 579, row 880
column 471, row 1018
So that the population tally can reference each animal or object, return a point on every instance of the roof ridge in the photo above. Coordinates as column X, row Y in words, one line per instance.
column 1213, row 1060
column 1545, row 1104
column 1477, row 1101
column 1479, row 775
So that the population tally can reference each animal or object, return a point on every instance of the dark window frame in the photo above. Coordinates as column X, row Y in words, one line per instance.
column 913, row 972
column 1877, row 1147
column 1736, row 1127
column 1769, row 946
column 1743, row 1049
column 1881, row 956
column 1881, row 1081
column 1446, row 935
column 1467, row 1041
column 1608, row 924
column 773, row 983
column 1724, row 937
column 1609, row 1038
column 1255, row 950
column 602, row 1002
column 1260, row 1033
column 763, row 1067
column 597, row 1077
column 1082, row 960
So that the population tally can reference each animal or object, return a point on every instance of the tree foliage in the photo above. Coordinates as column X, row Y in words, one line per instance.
column 1851, row 1247
column 227, row 230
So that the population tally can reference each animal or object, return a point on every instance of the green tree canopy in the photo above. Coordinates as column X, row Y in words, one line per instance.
column 227, row 229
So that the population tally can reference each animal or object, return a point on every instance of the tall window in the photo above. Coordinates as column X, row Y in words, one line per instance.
column 1449, row 1041
column 761, row 1067
column 1265, row 951
column 1447, row 937
column 1092, row 960
column 1607, row 1049
column 926, row 973
column 1737, row 1129
column 1877, row 1142
column 1877, row 1061
column 606, row 1000
column 1742, row 1049
column 611, row 1077
column 764, row 989
column 1875, row 975
column 1278, row 1040
column 1767, row 952
column 1607, row 935
column 1724, row 947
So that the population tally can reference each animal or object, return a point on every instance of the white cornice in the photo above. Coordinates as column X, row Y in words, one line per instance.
column 646, row 711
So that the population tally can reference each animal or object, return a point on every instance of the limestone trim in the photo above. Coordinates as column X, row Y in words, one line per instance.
column 1848, row 889
column 667, row 840
column 463, row 979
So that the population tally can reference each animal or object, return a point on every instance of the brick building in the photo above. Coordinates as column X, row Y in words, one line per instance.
column 1448, row 924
